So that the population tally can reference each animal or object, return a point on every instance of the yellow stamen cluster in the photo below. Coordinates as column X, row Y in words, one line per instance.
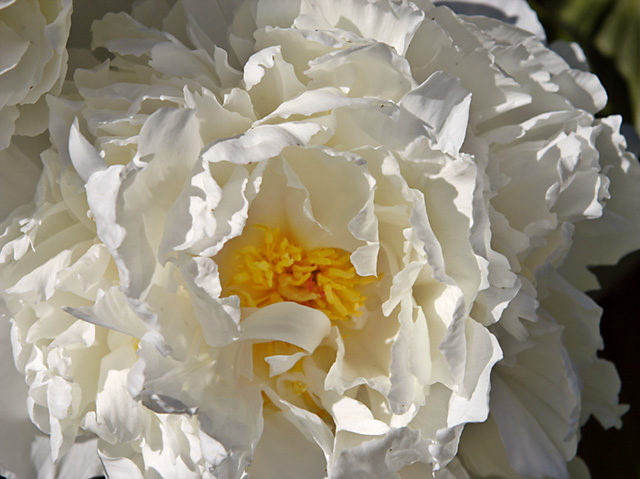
column 279, row 270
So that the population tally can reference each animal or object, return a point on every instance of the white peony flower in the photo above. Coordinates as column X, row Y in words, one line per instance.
column 347, row 238
column 34, row 61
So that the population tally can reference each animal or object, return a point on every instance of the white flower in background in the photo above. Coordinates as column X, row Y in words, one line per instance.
column 33, row 62
column 338, row 239
column 33, row 36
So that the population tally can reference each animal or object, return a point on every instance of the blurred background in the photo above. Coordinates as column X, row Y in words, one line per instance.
column 609, row 33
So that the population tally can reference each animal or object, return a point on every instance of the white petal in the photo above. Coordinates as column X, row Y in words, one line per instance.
column 123, row 418
column 216, row 121
column 119, row 33
column 314, row 429
column 14, row 47
column 270, row 80
column 80, row 462
column 363, row 357
column 120, row 467
column 290, row 322
column 411, row 361
column 442, row 103
column 279, row 364
column 170, row 142
column 284, row 452
column 370, row 70
column 207, row 215
column 111, row 311
column 218, row 317
column 311, row 102
column 608, row 238
column 380, row 458
column 8, row 117
column 388, row 22
column 351, row 415
column 483, row 352
column 17, row 431
column 261, row 143
column 541, row 457
column 514, row 12
column 43, row 279
column 84, row 156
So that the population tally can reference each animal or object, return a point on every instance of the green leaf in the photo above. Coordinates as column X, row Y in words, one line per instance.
column 581, row 18
column 619, row 39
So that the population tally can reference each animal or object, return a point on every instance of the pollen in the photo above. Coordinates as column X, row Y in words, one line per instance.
column 278, row 270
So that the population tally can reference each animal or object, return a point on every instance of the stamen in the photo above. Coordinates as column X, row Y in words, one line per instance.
column 278, row 270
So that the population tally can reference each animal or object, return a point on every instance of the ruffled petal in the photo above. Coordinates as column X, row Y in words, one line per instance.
column 17, row 430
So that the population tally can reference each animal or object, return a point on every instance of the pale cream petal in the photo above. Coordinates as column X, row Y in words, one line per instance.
column 284, row 452
column 304, row 327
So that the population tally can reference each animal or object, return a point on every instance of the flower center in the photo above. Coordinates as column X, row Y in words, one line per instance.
column 278, row 270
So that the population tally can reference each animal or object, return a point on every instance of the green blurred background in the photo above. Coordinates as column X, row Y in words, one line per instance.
column 609, row 33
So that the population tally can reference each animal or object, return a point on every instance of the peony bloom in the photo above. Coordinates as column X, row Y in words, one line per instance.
column 334, row 239
column 33, row 62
